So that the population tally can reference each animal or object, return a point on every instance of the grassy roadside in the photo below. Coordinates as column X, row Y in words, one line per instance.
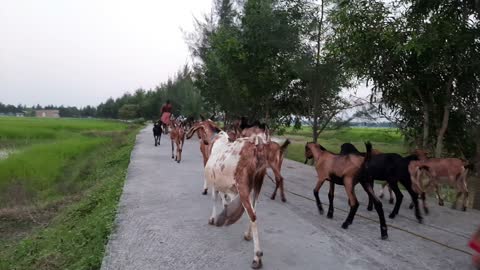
column 69, row 232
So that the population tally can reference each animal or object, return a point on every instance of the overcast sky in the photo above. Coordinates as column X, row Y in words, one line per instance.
column 82, row 52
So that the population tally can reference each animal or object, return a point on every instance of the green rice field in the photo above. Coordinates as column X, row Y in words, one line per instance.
column 60, row 181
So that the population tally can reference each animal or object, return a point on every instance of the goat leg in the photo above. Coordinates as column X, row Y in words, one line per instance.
column 414, row 202
column 330, row 200
column 379, row 208
column 398, row 194
column 352, row 201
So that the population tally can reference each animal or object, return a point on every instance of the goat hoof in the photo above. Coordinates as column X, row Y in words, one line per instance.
column 178, row 161
column 320, row 211
column 380, row 196
column 211, row 221
column 345, row 225
column 392, row 215
column 247, row 237
column 464, row 209
column 204, row 192
column 330, row 215
column 426, row 211
column 384, row 236
column 391, row 201
column 272, row 198
column 369, row 208
column 420, row 220
column 257, row 264
column 410, row 206
column 259, row 253
column 283, row 199
column 441, row 204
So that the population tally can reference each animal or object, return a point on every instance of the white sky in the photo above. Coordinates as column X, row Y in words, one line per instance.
column 81, row 52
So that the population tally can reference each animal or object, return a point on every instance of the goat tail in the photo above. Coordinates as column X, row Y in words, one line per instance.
column 231, row 213
column 284, row 146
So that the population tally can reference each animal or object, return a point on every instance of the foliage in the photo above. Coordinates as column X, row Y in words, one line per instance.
column 423, row 59
column 76, row 238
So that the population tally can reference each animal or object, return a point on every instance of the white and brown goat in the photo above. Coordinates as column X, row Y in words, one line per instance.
column 236, row 169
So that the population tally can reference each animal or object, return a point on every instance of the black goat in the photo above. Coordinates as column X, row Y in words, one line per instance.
column 157, row 132
column 393, row 168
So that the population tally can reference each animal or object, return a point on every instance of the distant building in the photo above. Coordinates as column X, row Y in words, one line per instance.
column 20, row 114
column 47, row 113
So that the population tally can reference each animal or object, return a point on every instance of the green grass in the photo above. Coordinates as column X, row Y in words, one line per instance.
column 59, row 190
column 28, row 130
column 387, row 140
column 76, row 238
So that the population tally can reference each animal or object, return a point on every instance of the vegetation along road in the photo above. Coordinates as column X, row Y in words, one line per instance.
column 60, row 181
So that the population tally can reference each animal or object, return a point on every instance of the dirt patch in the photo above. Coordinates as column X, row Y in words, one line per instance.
column 18, row 222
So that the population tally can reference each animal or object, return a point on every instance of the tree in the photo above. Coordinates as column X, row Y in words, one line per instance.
column 422, row 58
column 128, row 111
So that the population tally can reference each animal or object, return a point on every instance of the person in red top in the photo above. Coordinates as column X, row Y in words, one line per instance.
column 166, row 112
column 475, row 245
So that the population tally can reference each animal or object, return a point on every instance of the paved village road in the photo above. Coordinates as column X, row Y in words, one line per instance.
column 162, row 224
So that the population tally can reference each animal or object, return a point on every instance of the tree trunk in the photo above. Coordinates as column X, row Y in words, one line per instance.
column 315, row 127
column 476, row 187
column 446, row 117
column 426, row 119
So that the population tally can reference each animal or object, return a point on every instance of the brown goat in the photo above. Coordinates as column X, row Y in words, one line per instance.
column 452, row 171
column 206, row 131
column 275, row 155
column 177, row 137
column 346, row 170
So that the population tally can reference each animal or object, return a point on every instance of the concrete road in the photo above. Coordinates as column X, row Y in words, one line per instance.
column 162, row 224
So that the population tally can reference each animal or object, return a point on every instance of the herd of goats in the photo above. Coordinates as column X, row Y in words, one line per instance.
column 236, row 161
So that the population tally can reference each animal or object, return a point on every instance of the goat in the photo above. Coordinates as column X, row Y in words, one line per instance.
column 275, row 155
column 206, row 131
column 452, row 171
column 275, row 152
column 236, row 168
column 390, row 167
column 346, row 170
column 157, row 132
column 177, row 137
column 422, row 155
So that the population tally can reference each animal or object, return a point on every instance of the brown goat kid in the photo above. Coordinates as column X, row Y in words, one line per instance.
column 275, row 155
column 177, row 137
column 346, row 170
column 452, row 171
